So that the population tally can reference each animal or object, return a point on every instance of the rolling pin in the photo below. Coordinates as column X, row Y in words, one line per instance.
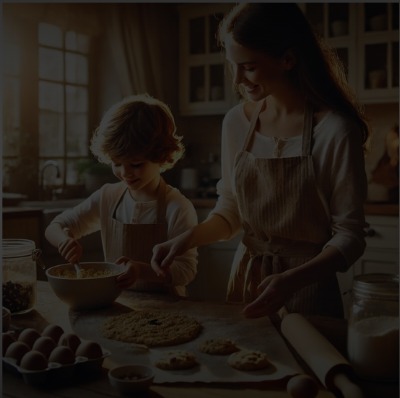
column 331, row 368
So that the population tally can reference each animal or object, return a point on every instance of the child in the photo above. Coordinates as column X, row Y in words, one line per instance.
column 137, row 138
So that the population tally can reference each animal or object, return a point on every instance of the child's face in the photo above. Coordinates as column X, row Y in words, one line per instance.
column 138, row 174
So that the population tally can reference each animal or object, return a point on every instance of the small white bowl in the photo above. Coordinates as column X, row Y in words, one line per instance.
column 131, row 378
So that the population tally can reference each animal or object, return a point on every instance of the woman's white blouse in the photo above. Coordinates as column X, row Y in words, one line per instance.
column 339, row 167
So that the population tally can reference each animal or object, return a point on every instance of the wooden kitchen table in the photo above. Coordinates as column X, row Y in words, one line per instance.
column 49, row 309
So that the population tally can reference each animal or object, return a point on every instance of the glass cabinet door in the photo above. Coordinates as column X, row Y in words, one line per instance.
column 379, row 36
column 366, row 38
column 204, row 88
column 335, row 23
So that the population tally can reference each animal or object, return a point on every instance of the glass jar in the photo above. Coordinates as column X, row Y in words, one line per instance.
column 19, row 275
column 373, row 331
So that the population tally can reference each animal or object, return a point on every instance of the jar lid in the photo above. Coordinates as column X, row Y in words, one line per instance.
column 383, row 285
column 17, row 247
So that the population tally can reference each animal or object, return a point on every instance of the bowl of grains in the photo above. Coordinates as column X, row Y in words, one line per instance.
column 95, row 286
column 131, row 378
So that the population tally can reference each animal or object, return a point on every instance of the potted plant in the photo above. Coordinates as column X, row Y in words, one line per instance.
column 94, row 174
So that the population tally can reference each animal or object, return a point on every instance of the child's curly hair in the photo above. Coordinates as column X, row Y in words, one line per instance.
column 138, row 126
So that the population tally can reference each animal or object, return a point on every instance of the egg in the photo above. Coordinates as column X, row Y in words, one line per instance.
column 7, row 339
column 29, row 336
column 89, row 349
column 70, row 340
column 302, row 386
column 63, row 355
column 17, row 350
column 33, row 360
column 53, row 331
column 44, row 345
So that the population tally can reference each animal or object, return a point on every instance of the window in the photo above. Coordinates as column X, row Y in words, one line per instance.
column 63, row 97
column 11, row 105
column 46, row 91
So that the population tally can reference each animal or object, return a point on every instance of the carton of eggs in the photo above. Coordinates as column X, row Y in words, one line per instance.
column 52, row 356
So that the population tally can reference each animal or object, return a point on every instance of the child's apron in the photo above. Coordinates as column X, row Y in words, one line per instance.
column 285, row 224
column 136, row 241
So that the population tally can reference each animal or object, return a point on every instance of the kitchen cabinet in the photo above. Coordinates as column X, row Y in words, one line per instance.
column 366, row 37
column 23, row 224
column 214, row 266
column 205, row 84
column 381, row 254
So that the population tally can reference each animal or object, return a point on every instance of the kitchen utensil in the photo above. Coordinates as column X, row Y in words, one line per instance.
column 78, row 270
column 189, row 179
column 331, row 368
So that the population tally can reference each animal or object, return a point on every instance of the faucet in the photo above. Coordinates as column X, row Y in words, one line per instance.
column 49, row 163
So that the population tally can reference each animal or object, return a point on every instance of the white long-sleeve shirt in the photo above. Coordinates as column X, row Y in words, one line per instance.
column 85, row 218
column 339, row 167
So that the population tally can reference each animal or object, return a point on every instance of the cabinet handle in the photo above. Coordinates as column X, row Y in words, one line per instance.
column 370, row 232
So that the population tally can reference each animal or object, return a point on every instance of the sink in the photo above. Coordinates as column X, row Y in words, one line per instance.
column 51, row 204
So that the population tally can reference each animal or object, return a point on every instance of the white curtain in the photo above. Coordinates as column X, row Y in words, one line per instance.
column 135, row 38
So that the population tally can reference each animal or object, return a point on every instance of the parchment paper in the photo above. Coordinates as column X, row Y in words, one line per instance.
column 218, row 320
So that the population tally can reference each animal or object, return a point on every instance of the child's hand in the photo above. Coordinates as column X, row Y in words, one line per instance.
column 130, row 276
column 71, row 250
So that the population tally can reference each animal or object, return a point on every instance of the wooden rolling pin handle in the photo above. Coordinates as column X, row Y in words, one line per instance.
column 346, row 386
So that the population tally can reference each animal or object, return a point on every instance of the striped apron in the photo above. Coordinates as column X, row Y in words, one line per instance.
column 285, row 223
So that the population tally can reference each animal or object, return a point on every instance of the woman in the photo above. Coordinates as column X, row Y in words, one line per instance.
column 137, row 137
column 293, row 175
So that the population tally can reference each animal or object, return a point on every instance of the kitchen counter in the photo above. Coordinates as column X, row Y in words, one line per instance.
column 381, row 209
column 50, row 309
column 387, row 209
column 27, row 211
column 203, row 203
column 384, row 209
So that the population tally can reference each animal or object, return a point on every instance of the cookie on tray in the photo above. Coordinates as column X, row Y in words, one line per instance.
column 153, row 328
column 218, row 346
column 248, row 360
column 176, row 360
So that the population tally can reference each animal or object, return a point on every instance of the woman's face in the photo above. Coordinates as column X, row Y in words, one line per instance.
column 138, row 174
column 256, row 72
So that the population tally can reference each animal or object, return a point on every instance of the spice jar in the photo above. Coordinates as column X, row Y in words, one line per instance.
column 373, row 332
column 19, row 275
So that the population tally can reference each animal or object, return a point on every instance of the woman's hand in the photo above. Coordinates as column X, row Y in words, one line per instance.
column 131, row 275
column 71, row 250
column 165, row 253
column 274, row 292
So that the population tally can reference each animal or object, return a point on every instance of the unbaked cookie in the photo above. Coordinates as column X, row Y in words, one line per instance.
column 152, row 328
column 176, row 360
column 218, row 346
column 248, row 360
